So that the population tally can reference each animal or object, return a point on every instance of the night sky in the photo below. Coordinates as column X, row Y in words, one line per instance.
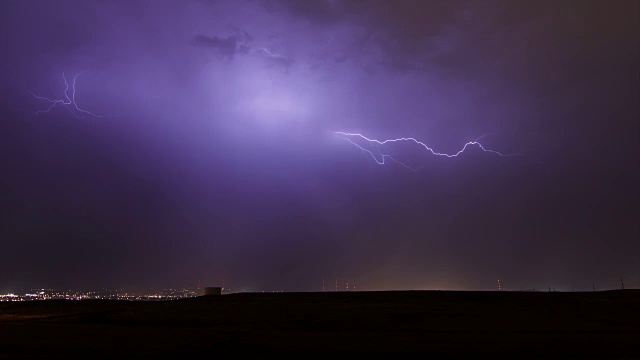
column 217, row 157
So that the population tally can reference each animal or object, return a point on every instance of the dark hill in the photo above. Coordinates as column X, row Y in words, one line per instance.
column 442, row 323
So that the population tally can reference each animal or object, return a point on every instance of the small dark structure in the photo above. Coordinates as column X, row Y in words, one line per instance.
column 212, row 291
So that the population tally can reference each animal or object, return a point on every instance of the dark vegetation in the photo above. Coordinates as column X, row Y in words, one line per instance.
column 442, row 323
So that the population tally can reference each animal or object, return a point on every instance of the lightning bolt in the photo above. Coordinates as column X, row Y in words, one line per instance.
column 265, row 50
column 381, row 159
column 69, row 102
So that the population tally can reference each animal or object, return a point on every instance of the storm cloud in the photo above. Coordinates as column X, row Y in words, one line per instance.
column 228, row 47
column 225, row 163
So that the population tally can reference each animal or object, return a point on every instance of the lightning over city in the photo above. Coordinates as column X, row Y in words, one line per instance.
column 202, row 148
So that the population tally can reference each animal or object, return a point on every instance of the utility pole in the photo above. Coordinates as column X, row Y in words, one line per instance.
column 622, row 283
column 594, row 287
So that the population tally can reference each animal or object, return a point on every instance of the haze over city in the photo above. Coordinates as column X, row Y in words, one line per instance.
column 205, row 141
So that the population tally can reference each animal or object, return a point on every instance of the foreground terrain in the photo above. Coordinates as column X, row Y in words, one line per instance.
column 442, row 323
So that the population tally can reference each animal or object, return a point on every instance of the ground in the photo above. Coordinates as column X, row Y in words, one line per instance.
column 444, row 324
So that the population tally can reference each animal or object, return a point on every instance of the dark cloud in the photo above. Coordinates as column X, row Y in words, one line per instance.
column 323, row 12
column 243, row 35
column 400, row 29
column 498, row 35
column 228, row 47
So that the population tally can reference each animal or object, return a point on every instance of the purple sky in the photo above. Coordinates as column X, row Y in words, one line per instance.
column 223, row 162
